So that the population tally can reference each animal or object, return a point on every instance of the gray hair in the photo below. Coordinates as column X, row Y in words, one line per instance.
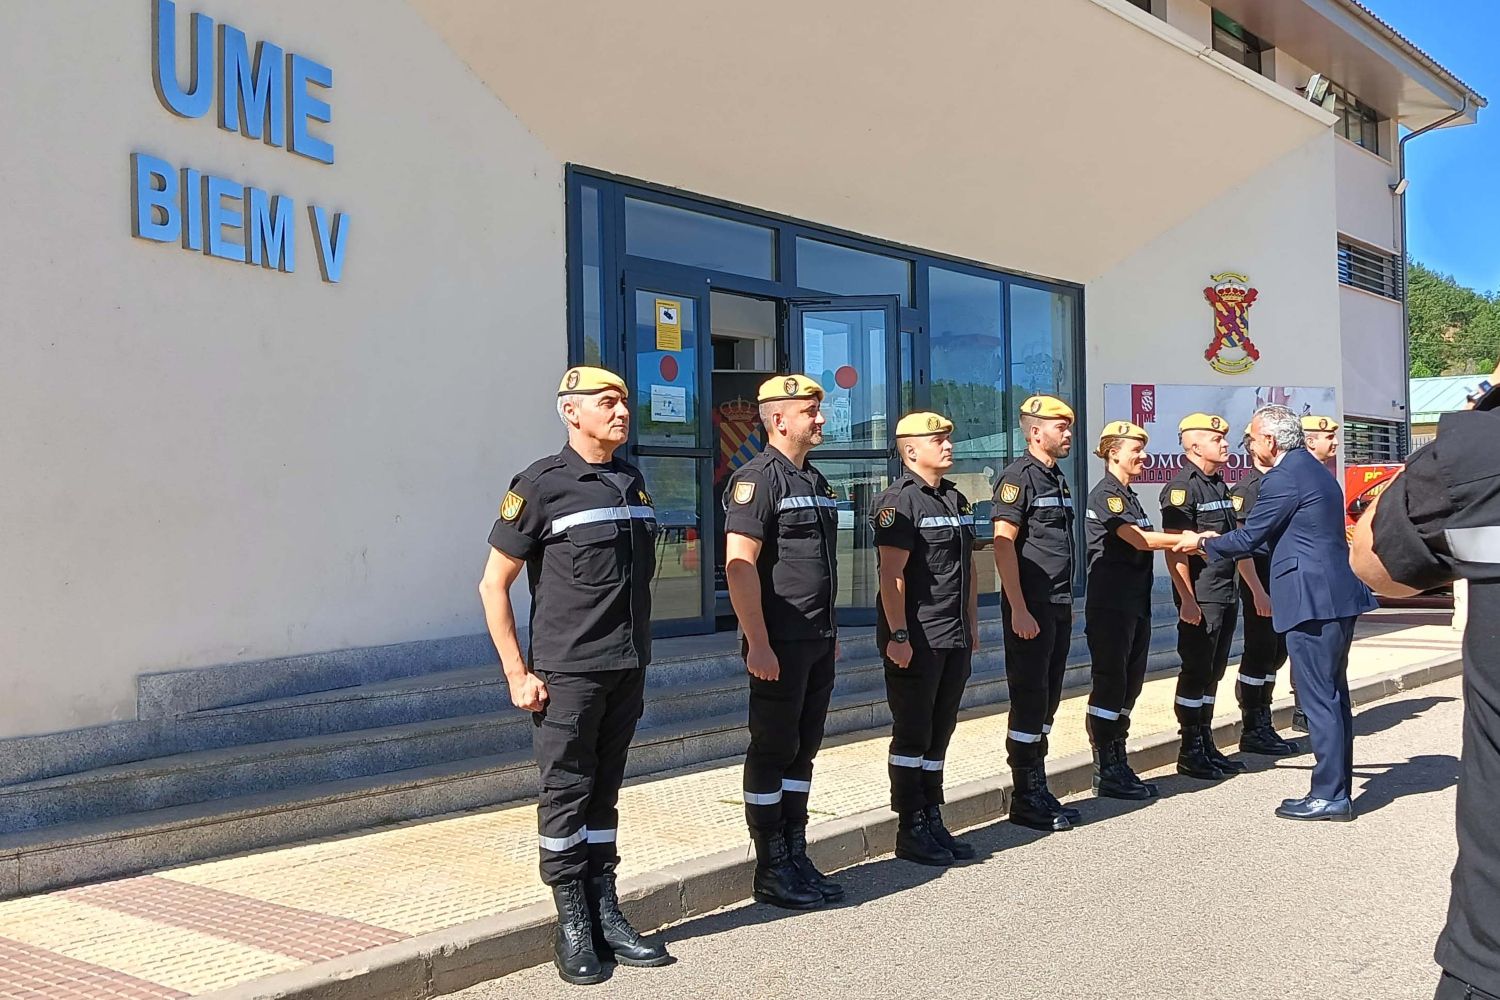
column 1283, row 425
column 576, row 398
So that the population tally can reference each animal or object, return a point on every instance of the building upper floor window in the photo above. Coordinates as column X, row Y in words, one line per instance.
column 1358, row 122
column 1373, row 442
column 1231, row 39
column 1144, row 5
column 1370, row 269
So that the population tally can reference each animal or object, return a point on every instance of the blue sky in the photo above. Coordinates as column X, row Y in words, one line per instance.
column 1453, row 204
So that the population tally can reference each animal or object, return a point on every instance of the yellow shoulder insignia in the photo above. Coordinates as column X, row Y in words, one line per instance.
column 886, row 517
column 510, row 507
column 1009, row 492
column 743, row 491
column 1239, row 501
column 1178, row 498
column 1116, row 505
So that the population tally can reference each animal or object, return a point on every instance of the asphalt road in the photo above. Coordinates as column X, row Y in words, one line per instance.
column 1202, row 894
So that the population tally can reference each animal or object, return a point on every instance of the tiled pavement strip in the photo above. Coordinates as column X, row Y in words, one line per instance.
column 213, row 924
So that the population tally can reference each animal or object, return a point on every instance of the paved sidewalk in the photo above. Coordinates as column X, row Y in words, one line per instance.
column 211, row 925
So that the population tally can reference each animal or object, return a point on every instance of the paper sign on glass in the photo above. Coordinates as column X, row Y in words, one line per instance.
column 668, row 325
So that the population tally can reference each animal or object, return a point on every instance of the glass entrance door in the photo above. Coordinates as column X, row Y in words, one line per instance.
column 667, row 364
column 849, row 344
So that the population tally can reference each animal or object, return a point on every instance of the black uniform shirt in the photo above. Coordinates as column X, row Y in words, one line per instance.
column 1437, row 521
column 937, row 527
column 794, row 515
column 1034, row 496
column 1119, row 573
column 586, row 533
column 1243, row 494
column 1195, row 502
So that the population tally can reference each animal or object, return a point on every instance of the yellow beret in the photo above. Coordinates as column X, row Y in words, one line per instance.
column 1250, row 428
column 1123, row 429
column 788, row 387
column 1203, row 422
column 922, row 423
column 1313, row 422
column 1047, row 407
column 586, row 381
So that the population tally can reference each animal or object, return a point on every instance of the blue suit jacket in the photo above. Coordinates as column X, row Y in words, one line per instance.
column 1298, row 520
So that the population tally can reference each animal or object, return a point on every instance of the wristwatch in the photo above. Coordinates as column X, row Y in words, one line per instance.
column 900, row 635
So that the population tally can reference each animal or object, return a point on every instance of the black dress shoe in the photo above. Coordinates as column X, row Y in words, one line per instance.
column 1299, row 721
column 1338, row 810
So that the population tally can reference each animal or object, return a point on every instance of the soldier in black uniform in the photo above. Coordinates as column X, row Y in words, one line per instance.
column 781, row 527
column 1265, row 648
column 927, row 629
column 1198, row 500
column 1437, row 522
column 582, row 525
column 1033, row 513
column 1117, row 606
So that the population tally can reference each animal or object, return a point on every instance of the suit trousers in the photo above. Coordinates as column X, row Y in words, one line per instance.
column 1320, row 661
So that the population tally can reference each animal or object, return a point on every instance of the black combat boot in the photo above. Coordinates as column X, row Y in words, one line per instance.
column 776, row 880
column 960, row 849
column 796, row 846
column 1073, row 816
column 1113, row 778
column 1226, row 764
column 1119, row 747
column 915, row 842
column 573, row 951
column 615, row 937
column 1193, row 760
column 1029, row 807
column 1260, row 736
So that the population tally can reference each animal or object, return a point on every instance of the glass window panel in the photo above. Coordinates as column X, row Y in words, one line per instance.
column 677, row 588
column 844, row 350
column 665, row 232
column 1041, row 360
column 907, row 390
column 593, row 277
column 827, row 267
column 665, row 395
column 968, row 380
column 855, row 482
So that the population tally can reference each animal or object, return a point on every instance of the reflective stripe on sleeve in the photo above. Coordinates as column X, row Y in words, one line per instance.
column 1216, row 505
column 943, row 522
column 1475, row 545
column 594, row 516
column 1053, row 502
column 1089, row 513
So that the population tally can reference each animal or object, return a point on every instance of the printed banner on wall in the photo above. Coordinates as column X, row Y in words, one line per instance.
column 1159, row 408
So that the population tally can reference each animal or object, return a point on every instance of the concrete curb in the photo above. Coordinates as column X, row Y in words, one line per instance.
column 458, row 957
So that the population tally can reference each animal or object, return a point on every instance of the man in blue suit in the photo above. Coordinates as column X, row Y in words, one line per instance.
column 1315, row 597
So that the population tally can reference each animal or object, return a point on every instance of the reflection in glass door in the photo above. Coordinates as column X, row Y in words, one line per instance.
column 849, row 346
column 668, row 363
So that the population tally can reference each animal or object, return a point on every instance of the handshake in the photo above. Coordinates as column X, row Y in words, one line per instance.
column 1189, row 542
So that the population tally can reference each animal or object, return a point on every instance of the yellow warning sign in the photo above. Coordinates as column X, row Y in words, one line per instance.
column 668, row 325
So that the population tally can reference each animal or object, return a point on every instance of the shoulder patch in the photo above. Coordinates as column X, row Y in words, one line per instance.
column 646, row 498
column 510, row 507
column 885, row 517
column 1177, row 498
column 744, row 491
column 1009, row 492
column 1239, row 501
column 829, row 493
column 1116, row 505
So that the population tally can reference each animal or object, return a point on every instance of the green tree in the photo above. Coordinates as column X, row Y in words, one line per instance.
column 1454, row 330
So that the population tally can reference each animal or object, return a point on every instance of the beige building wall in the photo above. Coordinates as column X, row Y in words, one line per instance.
column 1147, row 320
column 1374, row 353
column 1367, row 210
column 207, row 461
